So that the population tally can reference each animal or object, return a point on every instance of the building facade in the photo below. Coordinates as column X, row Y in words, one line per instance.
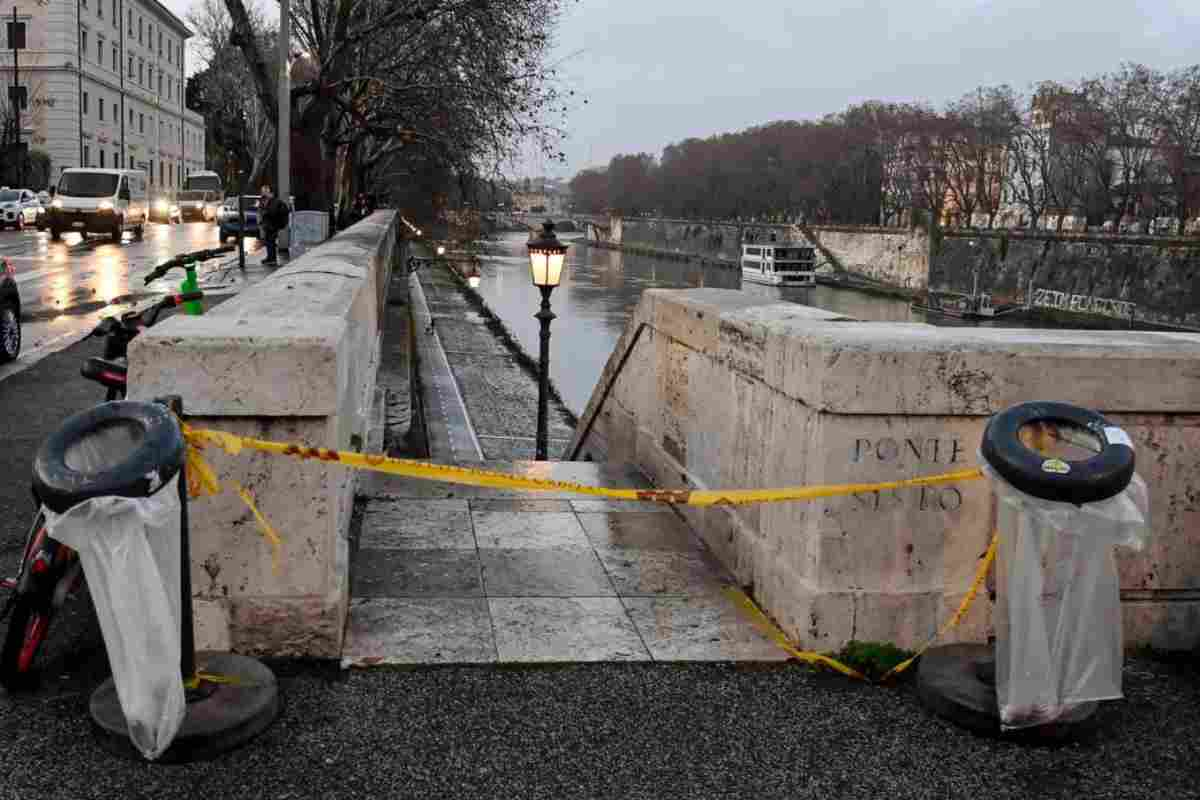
column 103, row 86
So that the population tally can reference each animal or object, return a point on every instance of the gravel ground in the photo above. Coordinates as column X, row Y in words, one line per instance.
column 620, row 731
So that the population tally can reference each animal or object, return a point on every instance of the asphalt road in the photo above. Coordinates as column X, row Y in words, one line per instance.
column 67, row 286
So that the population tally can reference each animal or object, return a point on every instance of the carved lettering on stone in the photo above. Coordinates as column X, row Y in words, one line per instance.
column 911, row 450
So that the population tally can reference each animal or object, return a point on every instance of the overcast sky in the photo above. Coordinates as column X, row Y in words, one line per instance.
column 657, row 71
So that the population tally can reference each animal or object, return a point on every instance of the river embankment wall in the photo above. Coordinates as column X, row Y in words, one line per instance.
column 1159, row 276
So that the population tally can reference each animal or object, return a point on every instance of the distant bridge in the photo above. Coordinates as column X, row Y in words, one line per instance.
column 534, row 222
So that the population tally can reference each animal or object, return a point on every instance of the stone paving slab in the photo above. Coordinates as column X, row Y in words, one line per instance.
column 558, row 579
column 532, row 629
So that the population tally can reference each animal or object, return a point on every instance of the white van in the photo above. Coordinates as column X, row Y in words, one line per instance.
column 108, row 201
column 203, row 181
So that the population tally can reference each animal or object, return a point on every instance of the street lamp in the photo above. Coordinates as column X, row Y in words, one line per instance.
column 546, row 257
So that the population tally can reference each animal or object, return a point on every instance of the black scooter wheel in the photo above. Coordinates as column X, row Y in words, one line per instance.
column 1086, row 481
column 121, row 449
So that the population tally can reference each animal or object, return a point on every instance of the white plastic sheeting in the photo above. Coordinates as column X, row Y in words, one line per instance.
column 1058, row 613
column 130, row 550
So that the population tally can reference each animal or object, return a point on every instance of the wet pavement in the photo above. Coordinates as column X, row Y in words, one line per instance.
column 460, row 574
column 67, row 286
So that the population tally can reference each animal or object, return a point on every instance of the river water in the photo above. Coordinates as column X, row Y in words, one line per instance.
column 600, row 289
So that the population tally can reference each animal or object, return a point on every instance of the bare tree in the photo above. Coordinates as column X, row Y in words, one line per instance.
column 239, row 120
column 981, row 126
column 1127, row 101
column 1032, row 160
column 454, row 82
column 1178, row 119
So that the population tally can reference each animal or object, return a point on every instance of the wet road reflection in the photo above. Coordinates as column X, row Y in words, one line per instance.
column 66, row 287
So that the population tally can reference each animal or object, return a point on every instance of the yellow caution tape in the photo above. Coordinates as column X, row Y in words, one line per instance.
column 764, row 624
column 202, row 480
column 980, row 575
column 208, row 677
column 470, row 476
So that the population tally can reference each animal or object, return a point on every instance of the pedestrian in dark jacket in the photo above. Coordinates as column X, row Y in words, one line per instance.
column 273, row 216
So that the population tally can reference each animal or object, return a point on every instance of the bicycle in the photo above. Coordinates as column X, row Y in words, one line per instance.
column 50, row 572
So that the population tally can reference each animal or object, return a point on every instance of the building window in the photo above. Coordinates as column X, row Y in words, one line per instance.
column 160, row 44
column 139, row 30
column 131, row 22
column 160, row 172
column 168, row 90
column 141, row 71
column 151, row 171
column 141, row 123
column 85, row 103
column 99, row 51
column 160, row 81
column 170, row 51
column 116, row 18
column 83, row 44
column 171, row 172
column 131, row 67
column 100, row 111
column 150, row 34
column 116, row 60
column 101, row 159
column 131, row 116
column 87, row 156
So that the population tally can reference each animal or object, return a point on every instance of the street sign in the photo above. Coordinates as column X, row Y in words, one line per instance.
column 16, row 36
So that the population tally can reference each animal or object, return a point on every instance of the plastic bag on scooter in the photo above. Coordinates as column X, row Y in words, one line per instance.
column 130, row 551
column 1058, row 619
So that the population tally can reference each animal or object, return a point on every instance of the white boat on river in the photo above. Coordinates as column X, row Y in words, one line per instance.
column 779, row 264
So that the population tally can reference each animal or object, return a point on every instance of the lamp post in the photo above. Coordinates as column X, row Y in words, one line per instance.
column 546, row 257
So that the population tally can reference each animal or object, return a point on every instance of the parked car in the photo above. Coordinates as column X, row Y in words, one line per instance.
column 10, row 313
column 163, row 208
column 227, row 217
column 18, row 208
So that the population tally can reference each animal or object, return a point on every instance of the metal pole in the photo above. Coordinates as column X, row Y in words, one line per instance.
column 187, row 636
column 544, row 316
column 283, row 185
column 16, row 99
column 242, row 225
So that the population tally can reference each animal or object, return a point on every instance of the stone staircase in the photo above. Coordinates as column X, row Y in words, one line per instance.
column 443, row 573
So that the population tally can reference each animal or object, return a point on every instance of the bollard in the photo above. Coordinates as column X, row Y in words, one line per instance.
column 191, row 284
